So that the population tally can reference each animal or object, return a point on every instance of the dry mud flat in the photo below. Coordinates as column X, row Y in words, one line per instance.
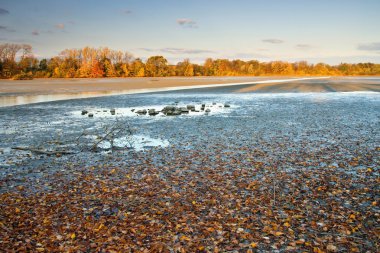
column 283, row 172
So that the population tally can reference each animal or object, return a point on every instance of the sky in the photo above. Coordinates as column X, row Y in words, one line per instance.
column 330, row 31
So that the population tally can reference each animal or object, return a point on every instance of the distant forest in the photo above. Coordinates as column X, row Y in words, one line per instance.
column 18, row 62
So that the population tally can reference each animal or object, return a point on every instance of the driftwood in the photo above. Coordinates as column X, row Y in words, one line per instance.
column 44, row 152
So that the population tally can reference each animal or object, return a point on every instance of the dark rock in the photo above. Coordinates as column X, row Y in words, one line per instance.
column 208, row 110
column 176, row 113
column 184, row 110
column 112, row 111
column 90, row 115
column 227, row 105
column 168, row 110
column 152, row 112
column 132, row 110
column 84, row 112
column 141, row 112
column 191, row 107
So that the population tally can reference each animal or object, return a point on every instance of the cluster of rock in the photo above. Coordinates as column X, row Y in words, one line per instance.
column 91, row 115
column 169, row 110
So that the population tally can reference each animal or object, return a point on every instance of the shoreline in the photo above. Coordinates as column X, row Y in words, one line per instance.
column 14, row 93
column 34, row 94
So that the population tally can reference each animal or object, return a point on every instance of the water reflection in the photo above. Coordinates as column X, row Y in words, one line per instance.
column 30, row 99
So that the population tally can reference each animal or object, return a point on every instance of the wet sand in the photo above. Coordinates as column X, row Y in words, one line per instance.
column 320, row 85
column 114, row 85
column 110, row 85
column 44, row 90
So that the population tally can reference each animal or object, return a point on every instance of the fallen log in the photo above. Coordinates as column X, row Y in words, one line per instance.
column 45, row 152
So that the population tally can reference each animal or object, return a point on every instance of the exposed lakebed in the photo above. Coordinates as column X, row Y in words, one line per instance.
column 221, row 167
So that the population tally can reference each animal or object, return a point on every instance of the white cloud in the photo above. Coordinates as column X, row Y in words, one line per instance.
column 172, row 50
column 273, row 41
column 369, row 46
column 187, row 23
column 60, row 26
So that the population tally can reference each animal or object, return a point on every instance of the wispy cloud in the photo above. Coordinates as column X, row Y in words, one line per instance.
column 60, row 26
column 247, row 56
column 3, row 11
column 273, row 41
column 369, row 46
column 35, row 33
column 187, row 23
column 172, row 50
column 6, row 29
column 127, row 12
column 304, row 46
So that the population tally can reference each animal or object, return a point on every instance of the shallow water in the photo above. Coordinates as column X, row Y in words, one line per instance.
column 303, row 122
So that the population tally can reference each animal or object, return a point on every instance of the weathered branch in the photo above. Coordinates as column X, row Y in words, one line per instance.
column 44, row 152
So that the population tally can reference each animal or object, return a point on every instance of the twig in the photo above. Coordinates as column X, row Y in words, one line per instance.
column 44, row 152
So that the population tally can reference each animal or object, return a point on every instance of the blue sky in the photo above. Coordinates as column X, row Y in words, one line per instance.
column 331, row 31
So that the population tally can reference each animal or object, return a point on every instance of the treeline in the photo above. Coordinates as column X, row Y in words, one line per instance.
column 18, row 62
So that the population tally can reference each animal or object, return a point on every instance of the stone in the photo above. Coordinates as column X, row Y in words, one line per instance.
column 191, row 107
column 227, row 105
column 90, row 115
column 84, row 112
column 152, row 112
column 169, row 110
column 141, row 112
column 184, row 110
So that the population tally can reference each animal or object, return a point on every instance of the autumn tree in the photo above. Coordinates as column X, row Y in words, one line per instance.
column 156, row 66
column 185, row 68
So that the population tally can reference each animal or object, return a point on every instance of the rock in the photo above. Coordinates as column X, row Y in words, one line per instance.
column 208, row 110
column 112, row 111
column 191, row 107
column 168, row 108
column 227, row 105
column 213, row 103
column 152, row 112
column 141, row 112
column 84, row 112
column 184, row 110
column 132, row 110
column 90, row 115
column 176, row 113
